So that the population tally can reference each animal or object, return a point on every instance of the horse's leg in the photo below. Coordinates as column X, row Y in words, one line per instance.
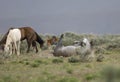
column 10, row 49
column 18, row 47
column 13, row 49
column 29, row 44
column 34, row 46
column 15, row 45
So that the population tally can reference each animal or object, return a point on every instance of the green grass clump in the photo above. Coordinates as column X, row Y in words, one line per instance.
column 34, row 64
column 73, row 60
column 57, row 60
column 89, row 77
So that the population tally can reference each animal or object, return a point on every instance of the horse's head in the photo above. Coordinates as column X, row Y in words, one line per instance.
column 6, row 48
column 85, row 43
column 52, row 41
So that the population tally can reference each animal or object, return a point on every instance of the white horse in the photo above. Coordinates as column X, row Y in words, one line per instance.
column 86, row 53
column 65, row 51
column 13, row 40
column 77, row 48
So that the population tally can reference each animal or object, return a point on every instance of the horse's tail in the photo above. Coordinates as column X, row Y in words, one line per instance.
column 39, row 39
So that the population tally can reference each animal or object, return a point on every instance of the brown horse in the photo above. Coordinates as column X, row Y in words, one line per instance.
column 30, row 35
column 52, row 41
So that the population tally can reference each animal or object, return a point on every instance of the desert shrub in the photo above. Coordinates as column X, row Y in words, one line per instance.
column 100, row 50
column 100, row 58
column 69, row 38
column 113, row 45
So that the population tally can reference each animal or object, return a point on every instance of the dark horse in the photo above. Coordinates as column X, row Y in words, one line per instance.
column 30, row 35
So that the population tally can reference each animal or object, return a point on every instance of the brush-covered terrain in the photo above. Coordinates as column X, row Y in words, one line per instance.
column 44, row 67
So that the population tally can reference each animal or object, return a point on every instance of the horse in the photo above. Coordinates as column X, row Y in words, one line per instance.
column 13, row 38
column 78, row 48
column 52, row 41
column 65, row 51
column 32, row 37
column 29, row 34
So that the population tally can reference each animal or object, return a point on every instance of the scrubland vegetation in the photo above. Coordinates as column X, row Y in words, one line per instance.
column 44, row 67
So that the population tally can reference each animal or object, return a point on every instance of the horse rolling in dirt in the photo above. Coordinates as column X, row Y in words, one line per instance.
column 65, row 51
column 13, row 38
column 32, row 37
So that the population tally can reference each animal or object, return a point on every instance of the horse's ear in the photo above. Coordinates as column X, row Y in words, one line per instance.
column 91, row 43
column 62, row 35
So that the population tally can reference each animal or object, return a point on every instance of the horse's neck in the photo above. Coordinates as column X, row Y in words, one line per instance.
column 8, row 41
column 87, row 47
column 59, row 44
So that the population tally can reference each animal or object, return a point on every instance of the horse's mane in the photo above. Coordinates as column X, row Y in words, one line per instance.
column 3, row 40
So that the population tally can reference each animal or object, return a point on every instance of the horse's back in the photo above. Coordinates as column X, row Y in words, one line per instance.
column 26, row 32
column 27, row 29
column 15, row 34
